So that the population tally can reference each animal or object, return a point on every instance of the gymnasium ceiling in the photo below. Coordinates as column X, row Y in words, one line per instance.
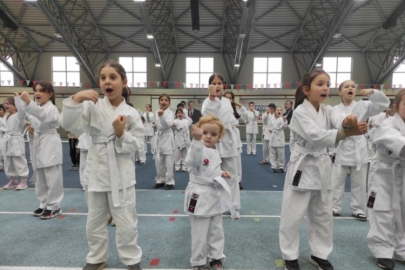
column 307, row 29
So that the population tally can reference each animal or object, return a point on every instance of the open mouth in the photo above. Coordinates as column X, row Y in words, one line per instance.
column 324, row 95
column 350, row 93
column 109, row 90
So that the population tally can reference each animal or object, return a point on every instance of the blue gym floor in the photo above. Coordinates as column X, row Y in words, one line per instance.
column 28, row 243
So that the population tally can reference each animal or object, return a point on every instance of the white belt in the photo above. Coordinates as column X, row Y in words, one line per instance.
column 112, row 165
column 35, row 150
column 394, row 162
column 222, row 186
column 316, row 154
column 357, row 157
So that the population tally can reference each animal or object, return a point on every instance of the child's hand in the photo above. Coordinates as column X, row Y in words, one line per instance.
column 25, row 97
column 268, row 110
column 366, row 92
column 226, row 174
column 285, row 118
column 238, row 104
column 197, row 133
column 359, row 129
column 271, row 131
column 86, row 95
column 350, row 121
column 119, row 125
column 212, row 92
column 30, row 129
column 174, row 124
column 161, row 112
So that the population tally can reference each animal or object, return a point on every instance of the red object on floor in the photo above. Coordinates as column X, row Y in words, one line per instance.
column 155, row 262
column 175, row 212
column 72, row 210
column 61, row 217
column 172, row 219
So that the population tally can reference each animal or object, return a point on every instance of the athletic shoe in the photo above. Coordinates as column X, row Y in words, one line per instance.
column 97, row 266
column 216, row 265
column 10, row 185
column 254, row 154
column 22, row 185
column 184, row 169
column 322, row 264
column 48, row 214
column 177, row 170
column 385, row 263
column 141, row 163
column 201, row 267
column 237, row 216
column 38, row 212
column 169, row 187
column 336, row 214
column 264, row 162
column 291, row 265
column 281, row 170
column 274, row 170
column 360, row 217
column 159, row 185
column 135, row 266
column 240, row 186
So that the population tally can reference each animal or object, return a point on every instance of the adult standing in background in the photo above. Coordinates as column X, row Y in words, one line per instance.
column 288, row 106
column 193, row 113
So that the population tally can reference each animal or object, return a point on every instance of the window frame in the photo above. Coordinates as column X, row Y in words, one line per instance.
column 66, row 71
column 7, row 71
column 400, row 74
column 199, row 73
column 336, row 73
column 267, row 72
column 132, row 82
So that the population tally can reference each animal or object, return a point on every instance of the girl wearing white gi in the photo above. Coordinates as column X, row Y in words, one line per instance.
column 307, row 188
column 352, row 154
column 15, row 163
column 386, row 201
column 251, row 129
column 267, row 120
column 204, row 192
column 2, row 130
column 165, row 144
column 116, row 131
column 181, row 139
column 243, row 112
column 277, row 141
column 47, row 148
column 149, row 131
column 227, row 147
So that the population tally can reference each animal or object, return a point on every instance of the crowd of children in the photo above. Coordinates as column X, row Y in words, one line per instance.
column 114, row 136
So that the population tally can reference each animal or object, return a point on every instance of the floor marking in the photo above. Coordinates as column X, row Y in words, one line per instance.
column 175, row 212
column 172, row 219
column 279, row 263
column 274, row 186
column 77, row 268
column 72, row 210
column 61, row 217
column 257, row 219
column 253, row 213
column 155, row 262
column 168, row 215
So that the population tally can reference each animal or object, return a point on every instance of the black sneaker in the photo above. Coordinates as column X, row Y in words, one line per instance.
column 38, row 212
column 385, row 263
column 48, row 214
column 292, row 265
column 273, row 170
column 216, row 265
column 281, row 170
column 159, row 185
column 240, row 186
column 96, row 266
column 169, row 187
column 360, row 217
column 336, row 214
column 135, row 266
column 322, row 264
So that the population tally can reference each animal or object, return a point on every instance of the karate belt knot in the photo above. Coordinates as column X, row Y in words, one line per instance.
column 222, row 187
column 394, row 162
column 35, row 145
column 317, row 155
column 112, row 165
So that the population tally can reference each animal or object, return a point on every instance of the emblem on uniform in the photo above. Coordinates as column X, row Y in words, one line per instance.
column 297, row 178
column 193, row 202
column 389, row 152
column 206, row 162
column 371, row 199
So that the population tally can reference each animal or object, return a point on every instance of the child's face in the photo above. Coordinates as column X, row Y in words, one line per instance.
column 10, row 108
column 164, row 103
column 272, row 110
column 41, row 97
column 219, row 84
column 252, row 106
column 148, row 108
column 319, row 89
column 112, row 84
column 2, row 112
column 348, row 91
column 179, row 115
column 279, row 111
column 401, row 108
column 210, row 134
column 229, row 96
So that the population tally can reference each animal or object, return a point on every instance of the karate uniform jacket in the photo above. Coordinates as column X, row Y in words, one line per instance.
column 165, row 136
column 181, row 134
column 278, row 136
column 267, row 120
column 251, row 126
column 13, row 142
column 148, row 123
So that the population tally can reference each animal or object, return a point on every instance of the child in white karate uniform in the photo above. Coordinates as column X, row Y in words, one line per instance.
column 386, row 200
column 352, row 154
column 251, row 129
column 2, row 130
column 47, row 148
column 277, row 141
column 267, row 119
column 204, row 192
column 149, row 130
column 307, row 189
column 165, row 144
column 15, row 163
column 181, row 139
column 117, row 132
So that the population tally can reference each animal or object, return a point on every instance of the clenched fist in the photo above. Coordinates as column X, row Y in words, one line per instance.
column 119, row 125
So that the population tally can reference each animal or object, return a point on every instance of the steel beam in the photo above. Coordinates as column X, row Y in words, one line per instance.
column 12, row 68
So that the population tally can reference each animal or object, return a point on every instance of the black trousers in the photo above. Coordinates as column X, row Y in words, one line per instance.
column 74, row 155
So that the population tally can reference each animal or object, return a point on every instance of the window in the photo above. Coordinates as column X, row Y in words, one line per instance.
column 267, row 71
column 398, row 76
column 136, row 70
column 6, row 76
column 198, row 70
column 65, row 71
column 338, row 68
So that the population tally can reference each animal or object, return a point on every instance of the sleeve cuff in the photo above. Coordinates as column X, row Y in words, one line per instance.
column 340, row 136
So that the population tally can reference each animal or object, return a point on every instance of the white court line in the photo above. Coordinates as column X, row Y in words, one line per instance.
column 162, row 190
column 68, row 268
column 160, row 215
